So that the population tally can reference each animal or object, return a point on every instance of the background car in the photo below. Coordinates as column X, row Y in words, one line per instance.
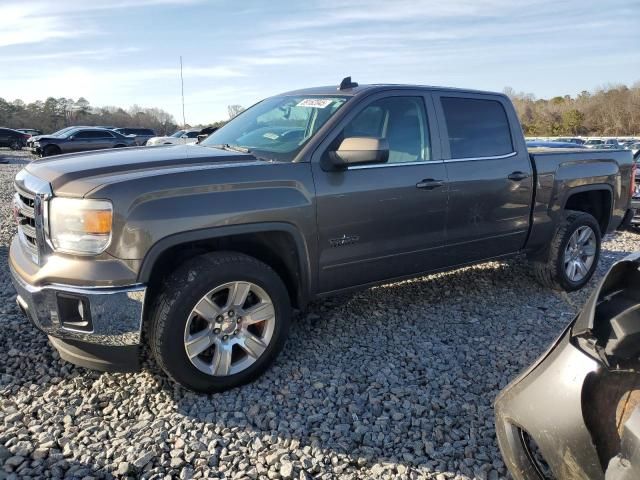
column 13, row 139
column 29, row 131
column 553, row 145
column 80, row 140
column 579, row 141
column 180, row 137
column 141, row 135
column 62, row 131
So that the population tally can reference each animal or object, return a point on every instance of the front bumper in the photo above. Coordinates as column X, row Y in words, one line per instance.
column 114, row 314
column 545, row 405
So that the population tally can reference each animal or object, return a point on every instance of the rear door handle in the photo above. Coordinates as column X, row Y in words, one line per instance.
column 429, row 184
column 517, row 176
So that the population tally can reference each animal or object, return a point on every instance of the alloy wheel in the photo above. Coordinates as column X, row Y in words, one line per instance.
column 580, row 253
column 229, row 328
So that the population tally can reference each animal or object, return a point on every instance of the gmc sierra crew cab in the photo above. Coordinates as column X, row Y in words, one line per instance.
column 202, row 251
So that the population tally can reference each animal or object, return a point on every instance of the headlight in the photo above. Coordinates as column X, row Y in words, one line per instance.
column 36, row 144
column 80, row 226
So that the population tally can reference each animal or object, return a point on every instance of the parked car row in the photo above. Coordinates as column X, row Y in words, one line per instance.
column 84, row 138
column 627, row 143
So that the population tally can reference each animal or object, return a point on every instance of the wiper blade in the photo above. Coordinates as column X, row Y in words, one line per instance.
column 233, row 148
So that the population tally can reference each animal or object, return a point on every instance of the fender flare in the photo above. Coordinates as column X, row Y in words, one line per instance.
column 596, row 187
column 158, row 248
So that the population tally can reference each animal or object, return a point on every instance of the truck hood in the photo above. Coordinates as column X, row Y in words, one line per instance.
column 76, row 174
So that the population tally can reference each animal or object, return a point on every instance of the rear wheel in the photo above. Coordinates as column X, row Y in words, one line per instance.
column 15, row 145
column 219, row 321
column 573, row 255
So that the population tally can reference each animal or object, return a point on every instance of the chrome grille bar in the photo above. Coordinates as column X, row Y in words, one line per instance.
column 29, row 204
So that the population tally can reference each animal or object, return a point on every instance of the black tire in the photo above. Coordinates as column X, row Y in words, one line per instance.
column 551, row 273
column 51, row 150
column 184, row 288
column 15, row 145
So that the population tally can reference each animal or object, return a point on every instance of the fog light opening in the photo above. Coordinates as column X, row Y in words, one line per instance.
column 74, row 312
column 535, row 455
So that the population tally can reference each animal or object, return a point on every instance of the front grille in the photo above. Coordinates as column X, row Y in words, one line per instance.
column 30, row 210
column 25, row 211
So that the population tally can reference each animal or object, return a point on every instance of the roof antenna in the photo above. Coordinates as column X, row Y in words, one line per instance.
column 347, row 83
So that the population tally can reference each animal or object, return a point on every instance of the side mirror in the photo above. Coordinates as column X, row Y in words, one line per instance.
column 360, row 151
column 72, row 137
column 184, row 136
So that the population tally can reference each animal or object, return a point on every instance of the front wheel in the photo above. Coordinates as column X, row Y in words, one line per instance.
column 220, row 321
column 15, row 145
column 51, row 150
column 573, row 255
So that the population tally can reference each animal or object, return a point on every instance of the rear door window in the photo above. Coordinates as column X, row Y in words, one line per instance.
column 476, row 127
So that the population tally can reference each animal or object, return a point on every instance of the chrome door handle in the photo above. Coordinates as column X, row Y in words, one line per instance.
column 429, row 184
column 517, row 176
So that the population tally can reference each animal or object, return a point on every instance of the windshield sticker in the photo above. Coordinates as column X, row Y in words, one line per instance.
column 271, row 136
column 315, row 102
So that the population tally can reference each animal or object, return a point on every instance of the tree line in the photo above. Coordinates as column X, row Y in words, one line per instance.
column 613, row 110
column 607, row 111
column 56, row 113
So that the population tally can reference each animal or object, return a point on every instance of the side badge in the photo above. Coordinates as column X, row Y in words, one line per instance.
column 344, row 240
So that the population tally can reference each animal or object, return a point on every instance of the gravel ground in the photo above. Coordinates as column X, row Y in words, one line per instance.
column 393, row 382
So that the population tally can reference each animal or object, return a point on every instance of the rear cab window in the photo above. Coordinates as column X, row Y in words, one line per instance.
column 476, row 128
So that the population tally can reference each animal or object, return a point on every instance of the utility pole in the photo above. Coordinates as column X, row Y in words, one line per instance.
column 184, row 121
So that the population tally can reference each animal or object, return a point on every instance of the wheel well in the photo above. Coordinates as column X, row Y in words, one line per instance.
column 52, row 147
column 276, row 249
column 594, row 202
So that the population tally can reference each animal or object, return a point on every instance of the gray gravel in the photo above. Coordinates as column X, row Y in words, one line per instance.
column 393, row 382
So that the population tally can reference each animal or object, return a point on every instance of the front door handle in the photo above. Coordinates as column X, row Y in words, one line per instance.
column 517, row 176
column 429, row 184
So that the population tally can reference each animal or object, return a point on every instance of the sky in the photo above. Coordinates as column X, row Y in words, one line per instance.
column 125, row 52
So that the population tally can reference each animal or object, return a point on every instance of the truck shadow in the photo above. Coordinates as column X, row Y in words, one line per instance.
column 370, row 373
column 398, row 376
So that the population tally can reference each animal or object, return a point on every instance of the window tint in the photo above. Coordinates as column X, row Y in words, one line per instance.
column 402, row 121
column 83, row 134
column 193, row 134
column 477, row 128
column 93, row 134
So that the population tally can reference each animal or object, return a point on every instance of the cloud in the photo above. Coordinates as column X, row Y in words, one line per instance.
column 83, row 55
column 37, row 22
column 21, row 25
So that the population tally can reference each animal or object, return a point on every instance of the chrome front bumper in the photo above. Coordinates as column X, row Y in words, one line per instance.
column 114, row 313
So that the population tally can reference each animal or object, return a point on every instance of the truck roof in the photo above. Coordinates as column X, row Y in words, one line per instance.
column 359, row 89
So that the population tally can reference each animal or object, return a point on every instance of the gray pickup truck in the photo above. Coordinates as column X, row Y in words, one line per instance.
column 201, row 251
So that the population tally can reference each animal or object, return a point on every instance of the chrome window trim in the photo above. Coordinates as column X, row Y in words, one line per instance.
column 426, row 162
column 472, row 159
column 396, row 164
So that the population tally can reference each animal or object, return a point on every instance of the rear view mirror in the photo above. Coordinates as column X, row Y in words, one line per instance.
column 360, row 151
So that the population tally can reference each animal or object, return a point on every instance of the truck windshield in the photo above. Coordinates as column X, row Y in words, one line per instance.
column 277, row 128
